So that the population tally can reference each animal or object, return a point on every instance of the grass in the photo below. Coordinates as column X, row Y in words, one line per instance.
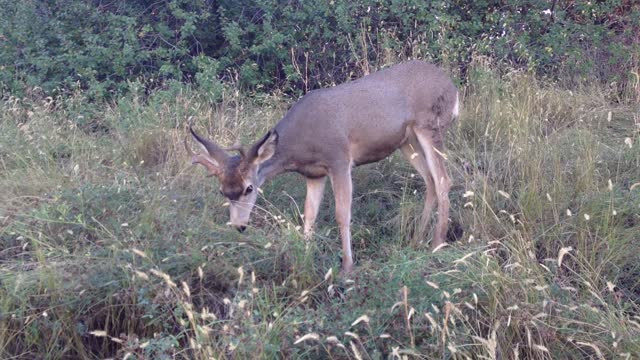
column 113, row 246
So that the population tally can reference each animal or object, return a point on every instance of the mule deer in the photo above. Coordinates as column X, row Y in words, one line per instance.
column 409, row 107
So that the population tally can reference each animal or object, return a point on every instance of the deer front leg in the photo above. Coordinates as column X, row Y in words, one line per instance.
column 315, row 189
column 341, row 183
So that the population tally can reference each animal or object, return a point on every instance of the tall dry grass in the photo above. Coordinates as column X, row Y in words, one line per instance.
column 113, row 246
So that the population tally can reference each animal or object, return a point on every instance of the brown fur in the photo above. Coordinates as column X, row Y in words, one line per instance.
column 232, row 178
column 409, row 106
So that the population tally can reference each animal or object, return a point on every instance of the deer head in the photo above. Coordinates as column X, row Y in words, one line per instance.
column 239, row 175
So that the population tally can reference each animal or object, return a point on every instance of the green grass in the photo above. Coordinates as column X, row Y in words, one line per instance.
column 112, row 245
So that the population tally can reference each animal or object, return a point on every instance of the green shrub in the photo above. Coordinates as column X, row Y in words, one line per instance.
column 300, row 45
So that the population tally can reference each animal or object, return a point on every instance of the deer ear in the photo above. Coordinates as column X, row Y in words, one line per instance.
column 265, row 148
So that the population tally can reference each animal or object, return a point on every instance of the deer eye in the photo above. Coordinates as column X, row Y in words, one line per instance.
column 220, row 191
column 248, row 190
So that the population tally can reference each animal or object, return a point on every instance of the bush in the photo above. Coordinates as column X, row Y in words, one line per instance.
column 300, row 45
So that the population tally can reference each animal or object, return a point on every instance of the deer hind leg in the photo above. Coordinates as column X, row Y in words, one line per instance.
column 415, row 155
column 432, row 147
column 342, row 188
column 315, row 190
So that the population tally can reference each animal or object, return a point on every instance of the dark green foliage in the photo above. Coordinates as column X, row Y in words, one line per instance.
column 58, row 46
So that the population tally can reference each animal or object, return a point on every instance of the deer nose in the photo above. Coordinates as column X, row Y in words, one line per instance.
column 241, row 228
